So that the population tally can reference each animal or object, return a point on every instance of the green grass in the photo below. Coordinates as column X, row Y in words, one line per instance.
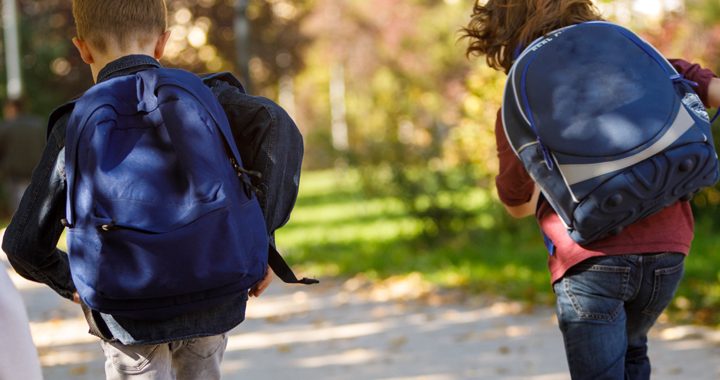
column 698, row 298
column 336, row 231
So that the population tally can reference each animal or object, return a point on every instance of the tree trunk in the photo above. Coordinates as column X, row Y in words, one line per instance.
column 242, row 43
column 12, row 50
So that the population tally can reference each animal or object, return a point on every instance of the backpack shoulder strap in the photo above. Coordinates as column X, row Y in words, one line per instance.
column 224, row 77
column 269, row 142
column 282, row 269
column 154, row 79
column 58, row 113
column 276, row 207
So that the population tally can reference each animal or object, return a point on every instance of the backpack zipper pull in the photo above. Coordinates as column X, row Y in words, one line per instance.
column 108, row 227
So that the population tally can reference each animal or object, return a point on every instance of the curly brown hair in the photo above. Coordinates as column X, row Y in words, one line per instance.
column 500, row 27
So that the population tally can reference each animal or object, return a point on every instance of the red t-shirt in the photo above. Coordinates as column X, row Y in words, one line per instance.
column 670, row 230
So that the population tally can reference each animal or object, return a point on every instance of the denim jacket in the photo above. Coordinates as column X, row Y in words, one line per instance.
column 31, row 239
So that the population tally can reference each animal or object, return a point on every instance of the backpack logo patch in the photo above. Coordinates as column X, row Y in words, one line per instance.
column 693, row 103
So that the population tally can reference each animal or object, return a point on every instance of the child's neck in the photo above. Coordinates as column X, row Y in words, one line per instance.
column 113, row 52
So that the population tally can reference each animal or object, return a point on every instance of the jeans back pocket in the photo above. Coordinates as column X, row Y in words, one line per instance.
column 594, row 292
column 666, row 279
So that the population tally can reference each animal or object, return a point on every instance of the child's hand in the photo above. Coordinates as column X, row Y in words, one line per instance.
column 260, row 287
column 714, row 93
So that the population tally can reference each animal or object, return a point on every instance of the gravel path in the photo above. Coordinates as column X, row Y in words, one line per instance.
column 354, row 330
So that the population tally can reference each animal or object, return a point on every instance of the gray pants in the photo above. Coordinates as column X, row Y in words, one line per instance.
column 189, row 359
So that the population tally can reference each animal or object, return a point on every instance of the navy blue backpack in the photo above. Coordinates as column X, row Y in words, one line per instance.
column 162, row 219
column 606, row 127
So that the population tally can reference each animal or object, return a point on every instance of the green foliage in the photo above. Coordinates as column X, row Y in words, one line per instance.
column 706, row 12
column 53, row 72
column 405, row 88
column 439, row 199
column 698, row 299
column 338, row 230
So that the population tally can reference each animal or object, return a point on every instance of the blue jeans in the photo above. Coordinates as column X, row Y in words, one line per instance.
column 605, row 307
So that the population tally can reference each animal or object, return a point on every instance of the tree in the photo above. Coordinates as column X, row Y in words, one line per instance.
column 202, row 41
column 405, row 75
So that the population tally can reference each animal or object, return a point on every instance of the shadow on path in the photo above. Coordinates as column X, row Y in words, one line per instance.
column 352, row 330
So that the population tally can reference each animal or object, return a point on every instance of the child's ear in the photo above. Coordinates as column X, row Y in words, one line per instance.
column 160, row 44
column 84, row 50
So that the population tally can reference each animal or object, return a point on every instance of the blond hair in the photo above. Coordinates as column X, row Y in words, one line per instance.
column 97, row 21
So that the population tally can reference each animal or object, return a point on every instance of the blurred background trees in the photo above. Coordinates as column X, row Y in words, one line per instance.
column 203, row 39
column 381, row 89
column 380, row 85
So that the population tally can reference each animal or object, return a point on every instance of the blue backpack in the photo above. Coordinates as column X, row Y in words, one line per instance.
column 606, row 127
column 162, row 219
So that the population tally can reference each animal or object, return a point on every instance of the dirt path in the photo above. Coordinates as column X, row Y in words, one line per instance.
column 352, row 330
